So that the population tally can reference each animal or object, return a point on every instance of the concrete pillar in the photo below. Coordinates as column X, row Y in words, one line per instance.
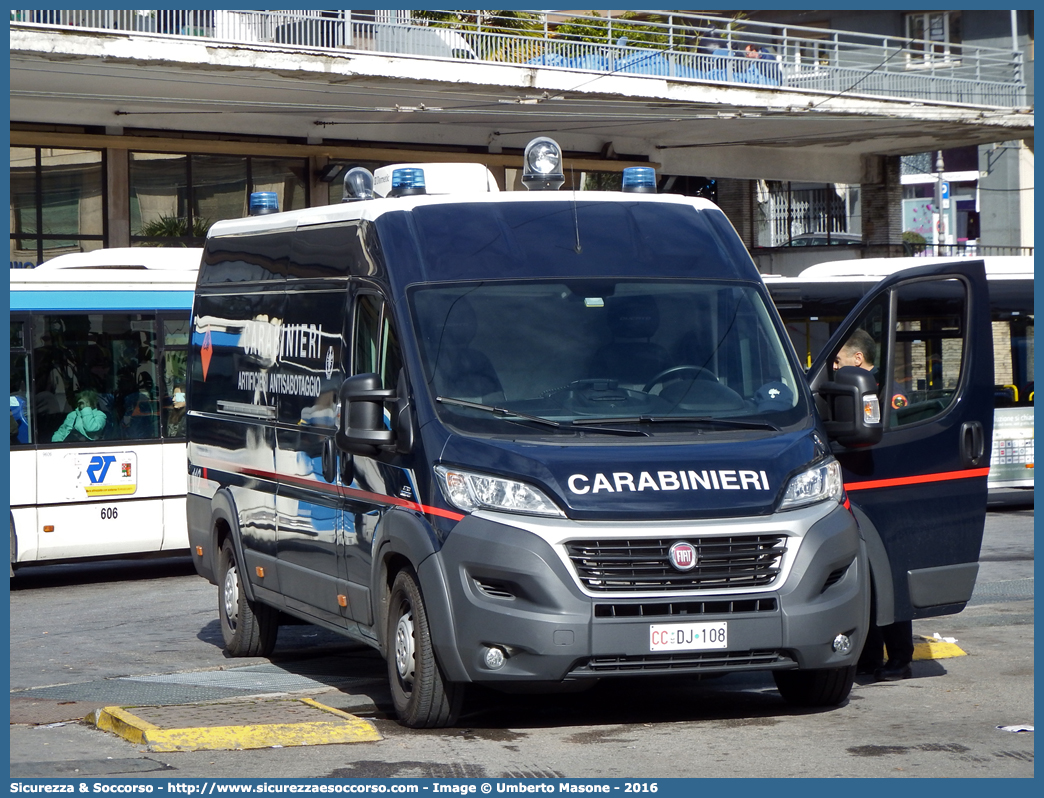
column 117, row 176
column 882, row 208
column 736, row 200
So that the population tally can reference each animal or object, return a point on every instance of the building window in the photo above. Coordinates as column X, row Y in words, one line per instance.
column 57, row 203
column 807, row 214
column 174, row 198
column 936, row 34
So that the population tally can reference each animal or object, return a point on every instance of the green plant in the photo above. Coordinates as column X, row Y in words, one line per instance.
column 603, row 181
column 914, row 242
column 173, row 227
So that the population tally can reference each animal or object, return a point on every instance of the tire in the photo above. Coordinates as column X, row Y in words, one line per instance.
column 815, row 688
column 248, row 629
column 423, row 698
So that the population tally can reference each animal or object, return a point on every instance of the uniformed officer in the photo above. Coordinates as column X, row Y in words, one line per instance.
column 897, row 638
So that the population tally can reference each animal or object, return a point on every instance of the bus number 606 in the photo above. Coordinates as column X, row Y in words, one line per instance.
column 108, row 513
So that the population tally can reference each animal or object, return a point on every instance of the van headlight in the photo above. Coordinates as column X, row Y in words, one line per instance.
column 817, row 484
column 469, row 491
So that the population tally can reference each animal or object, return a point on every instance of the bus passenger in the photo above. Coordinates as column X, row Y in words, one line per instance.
column 85, row 423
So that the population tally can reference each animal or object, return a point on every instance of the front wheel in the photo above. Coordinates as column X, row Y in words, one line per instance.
column 423, row 698
column 248, row 629
column 815, row 688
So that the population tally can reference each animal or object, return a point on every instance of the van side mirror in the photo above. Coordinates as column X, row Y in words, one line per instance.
column 361, row 428
column 853, row 409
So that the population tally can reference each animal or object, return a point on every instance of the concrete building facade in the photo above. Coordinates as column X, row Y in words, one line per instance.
column 142, row 127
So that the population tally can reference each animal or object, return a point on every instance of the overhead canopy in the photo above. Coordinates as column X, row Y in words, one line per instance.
column 326, row 101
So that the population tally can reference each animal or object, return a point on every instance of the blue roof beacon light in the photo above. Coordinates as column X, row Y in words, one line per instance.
column 407, row 182
column 542, row 165
column 358, row 185
column 263, row 202
column 639, row 180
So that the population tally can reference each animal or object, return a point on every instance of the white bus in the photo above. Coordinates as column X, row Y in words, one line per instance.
column 98, row 353
column 817, row 300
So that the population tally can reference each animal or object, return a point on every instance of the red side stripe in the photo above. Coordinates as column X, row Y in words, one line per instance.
column 918, row 480
column 354, row 493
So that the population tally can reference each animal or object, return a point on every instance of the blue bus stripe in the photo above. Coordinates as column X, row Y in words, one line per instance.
column 101, row 300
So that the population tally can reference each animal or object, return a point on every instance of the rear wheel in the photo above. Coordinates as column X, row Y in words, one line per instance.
column 248, row 629
column 423, row 698
column 815, row 688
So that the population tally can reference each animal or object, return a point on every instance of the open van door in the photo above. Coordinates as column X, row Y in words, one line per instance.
column 919, row 493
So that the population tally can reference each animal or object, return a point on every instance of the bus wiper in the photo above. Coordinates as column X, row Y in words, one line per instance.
column 725, row 422
column 511, row 415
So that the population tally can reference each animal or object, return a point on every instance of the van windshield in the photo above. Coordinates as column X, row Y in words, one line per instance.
column 586, row 353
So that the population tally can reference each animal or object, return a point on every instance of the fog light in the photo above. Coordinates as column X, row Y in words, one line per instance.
column 495, row 658
column 842, row 644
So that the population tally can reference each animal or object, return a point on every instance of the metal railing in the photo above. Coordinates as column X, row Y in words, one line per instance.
column 665, row 44
column 974, row 249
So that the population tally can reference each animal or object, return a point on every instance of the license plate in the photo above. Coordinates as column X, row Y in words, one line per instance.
column 688, row 636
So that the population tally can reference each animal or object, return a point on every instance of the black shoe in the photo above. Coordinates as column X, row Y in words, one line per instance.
column 869, row 668
column 893, row 671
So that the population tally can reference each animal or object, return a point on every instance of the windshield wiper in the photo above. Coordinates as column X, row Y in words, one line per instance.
column 725, row 422
column 513, row 415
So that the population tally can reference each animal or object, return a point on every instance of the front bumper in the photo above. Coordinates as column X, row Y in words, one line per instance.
column 511, row 585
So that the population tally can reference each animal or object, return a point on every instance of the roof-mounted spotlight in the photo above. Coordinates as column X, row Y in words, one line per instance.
column 358, row 185
column 639, row 180
column 542, row 165
column 330, row 172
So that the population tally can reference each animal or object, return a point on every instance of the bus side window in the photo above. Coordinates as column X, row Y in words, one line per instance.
column 174, row 361
column 929, row 350
column 112, row 357
column 21, row 411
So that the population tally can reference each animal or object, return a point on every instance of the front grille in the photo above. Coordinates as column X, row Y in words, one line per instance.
column 639, row 565
column 684, row 608
column 688, row 662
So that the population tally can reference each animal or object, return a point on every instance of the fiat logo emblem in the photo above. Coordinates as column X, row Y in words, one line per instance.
column 682, row 556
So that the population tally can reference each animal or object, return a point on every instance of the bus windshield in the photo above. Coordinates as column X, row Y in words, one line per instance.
column 667, row 353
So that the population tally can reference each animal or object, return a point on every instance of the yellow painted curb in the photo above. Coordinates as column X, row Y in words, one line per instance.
column 231, row 738
column 343, row 728
column 930, row 648
column 122, row 723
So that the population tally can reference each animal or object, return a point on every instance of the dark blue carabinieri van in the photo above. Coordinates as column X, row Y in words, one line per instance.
column 544, row 438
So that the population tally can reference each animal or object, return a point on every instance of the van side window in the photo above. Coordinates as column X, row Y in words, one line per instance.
column 391, row 354
column 929, row 349
column 367, row 334
column 376, row 344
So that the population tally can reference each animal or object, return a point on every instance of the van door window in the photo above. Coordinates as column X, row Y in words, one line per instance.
column 929, row 349
column 367, row 334
column 376, row 344
column 391, row 355
column 867, row 345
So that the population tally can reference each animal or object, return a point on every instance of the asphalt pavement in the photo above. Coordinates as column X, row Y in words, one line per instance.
column 954, row 725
